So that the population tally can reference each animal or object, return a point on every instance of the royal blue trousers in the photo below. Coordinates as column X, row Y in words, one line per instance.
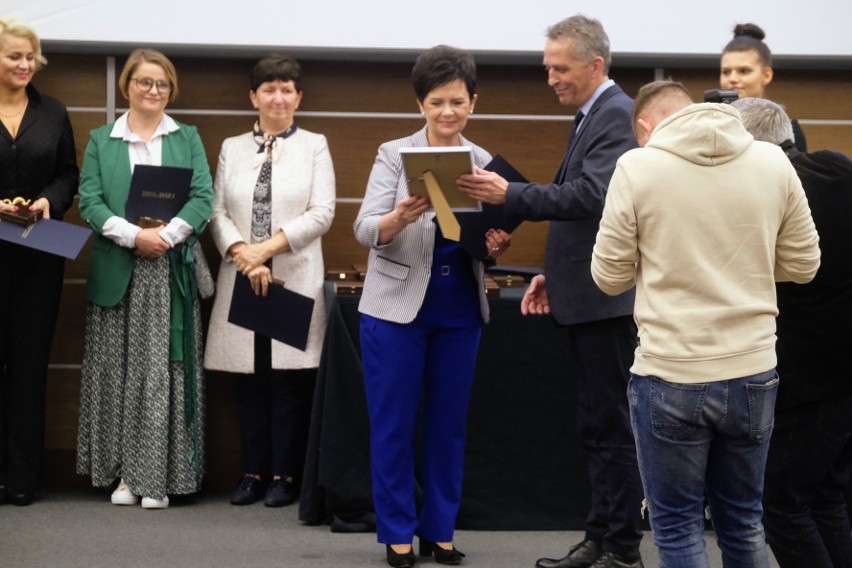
column 423, row 369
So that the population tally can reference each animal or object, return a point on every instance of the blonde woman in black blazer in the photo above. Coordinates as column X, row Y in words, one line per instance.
column 422, row 310
column 37, row 163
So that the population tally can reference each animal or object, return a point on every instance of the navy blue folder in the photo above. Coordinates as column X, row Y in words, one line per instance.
column 157, row 192
column 48, row 235
column 282, row 314
column 475, row 225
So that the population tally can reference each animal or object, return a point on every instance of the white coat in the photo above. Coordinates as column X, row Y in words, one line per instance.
column 303, row 199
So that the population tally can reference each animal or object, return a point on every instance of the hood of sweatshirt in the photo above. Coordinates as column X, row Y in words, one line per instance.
column 707, row 134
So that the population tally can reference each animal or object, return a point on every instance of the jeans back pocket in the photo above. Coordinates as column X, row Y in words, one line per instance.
column 761, row 407
column 676, row 410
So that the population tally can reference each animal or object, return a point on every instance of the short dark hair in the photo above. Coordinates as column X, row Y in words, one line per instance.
column 441, row 65
column 749, row 37
column 276, row 68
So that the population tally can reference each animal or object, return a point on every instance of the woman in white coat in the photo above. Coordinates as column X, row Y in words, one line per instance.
column 274, row 199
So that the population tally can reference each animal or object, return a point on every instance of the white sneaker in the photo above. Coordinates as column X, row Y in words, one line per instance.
column 123, row 496
column 152, row 503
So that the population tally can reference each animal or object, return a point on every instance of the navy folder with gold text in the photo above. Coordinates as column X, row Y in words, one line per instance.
column 157, row 192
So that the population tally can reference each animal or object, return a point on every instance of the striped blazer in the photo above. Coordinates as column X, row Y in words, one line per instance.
column 398, row 272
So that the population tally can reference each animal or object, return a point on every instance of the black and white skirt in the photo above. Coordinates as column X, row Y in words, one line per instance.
column 133, row 421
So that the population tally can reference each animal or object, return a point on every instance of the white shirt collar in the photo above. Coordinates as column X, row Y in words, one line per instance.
column 121, row 129
column 601, row 88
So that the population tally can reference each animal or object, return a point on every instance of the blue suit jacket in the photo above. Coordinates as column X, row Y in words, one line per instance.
column 574, row 203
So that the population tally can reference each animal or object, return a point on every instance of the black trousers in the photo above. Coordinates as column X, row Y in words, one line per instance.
column 807, row 473
column 274, row 408
column 30, row 288
column 603, row 352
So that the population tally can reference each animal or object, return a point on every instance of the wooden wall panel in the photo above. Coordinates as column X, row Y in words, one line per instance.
column 214, row 97
column 805, row 94
column 83, row 123
column 339, row 246
column 79, row 267
column 829, row 138
column 63, row 409
column 67, row 348
column 76, row 80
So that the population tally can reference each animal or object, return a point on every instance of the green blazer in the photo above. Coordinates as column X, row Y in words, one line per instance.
column 104, row 187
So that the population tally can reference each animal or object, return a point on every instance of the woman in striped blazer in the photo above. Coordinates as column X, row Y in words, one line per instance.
column 422, row 309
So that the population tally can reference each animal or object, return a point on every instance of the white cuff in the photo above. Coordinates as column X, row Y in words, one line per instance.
column 176, row 231
column 120, row 231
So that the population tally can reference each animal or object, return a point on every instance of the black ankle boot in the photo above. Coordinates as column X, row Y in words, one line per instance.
column 442, row 555
column 400, row 559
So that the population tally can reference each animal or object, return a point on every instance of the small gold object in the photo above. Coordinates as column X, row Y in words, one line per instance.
column 23, row 216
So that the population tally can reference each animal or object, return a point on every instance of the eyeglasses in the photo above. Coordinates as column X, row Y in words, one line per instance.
column 145, row 83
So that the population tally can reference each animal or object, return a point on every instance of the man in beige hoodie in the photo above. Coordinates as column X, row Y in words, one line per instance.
column 703, row 220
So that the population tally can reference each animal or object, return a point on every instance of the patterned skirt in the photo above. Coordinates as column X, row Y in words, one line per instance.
column 133, row 421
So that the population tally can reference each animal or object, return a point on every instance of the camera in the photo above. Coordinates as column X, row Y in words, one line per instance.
column 720, row 96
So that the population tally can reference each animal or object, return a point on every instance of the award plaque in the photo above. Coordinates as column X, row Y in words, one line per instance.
column 23, row 216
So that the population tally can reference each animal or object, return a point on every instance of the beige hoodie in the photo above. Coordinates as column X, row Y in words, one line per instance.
column 704, row 220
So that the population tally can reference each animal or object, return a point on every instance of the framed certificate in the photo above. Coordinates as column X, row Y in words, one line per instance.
column 446, row 164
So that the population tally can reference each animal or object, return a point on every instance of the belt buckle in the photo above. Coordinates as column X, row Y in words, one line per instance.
column 445, row 270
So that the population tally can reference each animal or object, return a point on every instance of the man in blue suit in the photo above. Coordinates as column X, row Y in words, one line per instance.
column 600, row 328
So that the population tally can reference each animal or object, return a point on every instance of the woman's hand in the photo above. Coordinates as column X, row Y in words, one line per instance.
column 43, row 205
column 150, row 244
column 248, row 257
column 406, row 212
column 498, row 241
column 409, row 209
column 535, row 298
column 260, row 278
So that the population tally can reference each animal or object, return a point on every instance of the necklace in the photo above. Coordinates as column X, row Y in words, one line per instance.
column 13, row 115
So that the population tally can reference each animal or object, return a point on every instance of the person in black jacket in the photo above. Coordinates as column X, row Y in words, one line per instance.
column 38, row 163
column 810, row 454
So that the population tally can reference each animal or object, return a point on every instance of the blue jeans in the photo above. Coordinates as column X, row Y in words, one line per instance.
column 704, row 441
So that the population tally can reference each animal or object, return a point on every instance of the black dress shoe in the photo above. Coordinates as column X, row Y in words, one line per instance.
column 580, row 555
column 2, row 495
column 442, row 555
column 400, row 559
